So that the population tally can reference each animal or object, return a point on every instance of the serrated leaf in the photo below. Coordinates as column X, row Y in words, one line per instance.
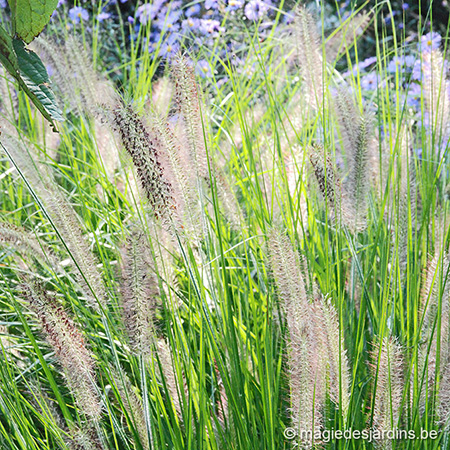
column 26, row 67
column 35, row 82
column 29, row 17
column 7, row 55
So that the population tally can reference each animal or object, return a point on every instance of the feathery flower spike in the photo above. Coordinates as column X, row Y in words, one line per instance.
column 387, row 370
column 133, row 405
column 192, row 120
column 305, row 350
column 70, row 348
column 26, row 243
column 326, row 176
column 139, row 290
column 310, row 58
column 183, row 179
column 145, row 152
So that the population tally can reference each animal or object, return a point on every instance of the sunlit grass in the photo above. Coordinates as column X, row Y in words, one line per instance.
column 219, row 366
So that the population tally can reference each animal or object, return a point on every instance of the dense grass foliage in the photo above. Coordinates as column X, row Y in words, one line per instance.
column 232, row 261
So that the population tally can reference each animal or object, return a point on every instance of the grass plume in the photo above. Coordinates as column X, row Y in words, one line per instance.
column 69, row 345
column 139, row 291
column 387, row 370
column 310, row 58
column 146, row 154
column 191, row 120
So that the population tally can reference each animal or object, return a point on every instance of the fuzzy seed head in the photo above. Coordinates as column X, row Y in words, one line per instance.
column 338, row 368
column 387, row 370
column 310, row 57
column 164, row 353
column 435, row 349
column 64, row 218
column 359, row 147
column 69, row 345
column 89, row 275
column 326, row 176
column 84, row 439
column 133, row 405
column 192, row 120
column 183, row 178
column 27, row 244
column 307, row 362
column 144, row 149
column 139, row 289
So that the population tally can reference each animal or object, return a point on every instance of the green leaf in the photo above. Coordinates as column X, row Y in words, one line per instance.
column 30, row 16
column 7, row 55
column 33, row 79
column 26, row 67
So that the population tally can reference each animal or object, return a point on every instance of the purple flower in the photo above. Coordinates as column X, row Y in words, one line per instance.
column 60, row 3
column 155, row 37
column 203, row 68
column 50, row 70
column 149, row 11
column 361, row 66
column 367, row 62
column 344, row 6
column 417, row 70
column 406, row 62
column 190, row 24
column 170, row 47
column 209, row 26
column 210, row 4
column 78, row 13
column 255, row 9
column 247, row 70
column 233, row 5
column 369, row 82
column 222, row 81
column 405, row 6
column 192, row 10
column 395, row 64
column 289, row 17
column 413, row 95
column 199, row 41
column 168, row 22
column 388, row 19
column 409, row 60
column 152, row 46
column 103, row 16
column 431, row 41
column 130, row 19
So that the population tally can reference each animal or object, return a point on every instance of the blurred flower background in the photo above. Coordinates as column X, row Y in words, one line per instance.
column 228, row 110
column 214, row 35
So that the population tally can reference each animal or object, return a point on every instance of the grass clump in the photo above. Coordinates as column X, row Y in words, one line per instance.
column 241, row 264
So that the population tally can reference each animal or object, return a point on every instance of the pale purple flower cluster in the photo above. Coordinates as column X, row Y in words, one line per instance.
column 103, row 16
column 78, row 14
column 430, row 41
column 257, row 9
column 203, row 68
column 172, row 22
column 410, row 67
column 418, row 72
column 369, row 82
column 200, row 22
